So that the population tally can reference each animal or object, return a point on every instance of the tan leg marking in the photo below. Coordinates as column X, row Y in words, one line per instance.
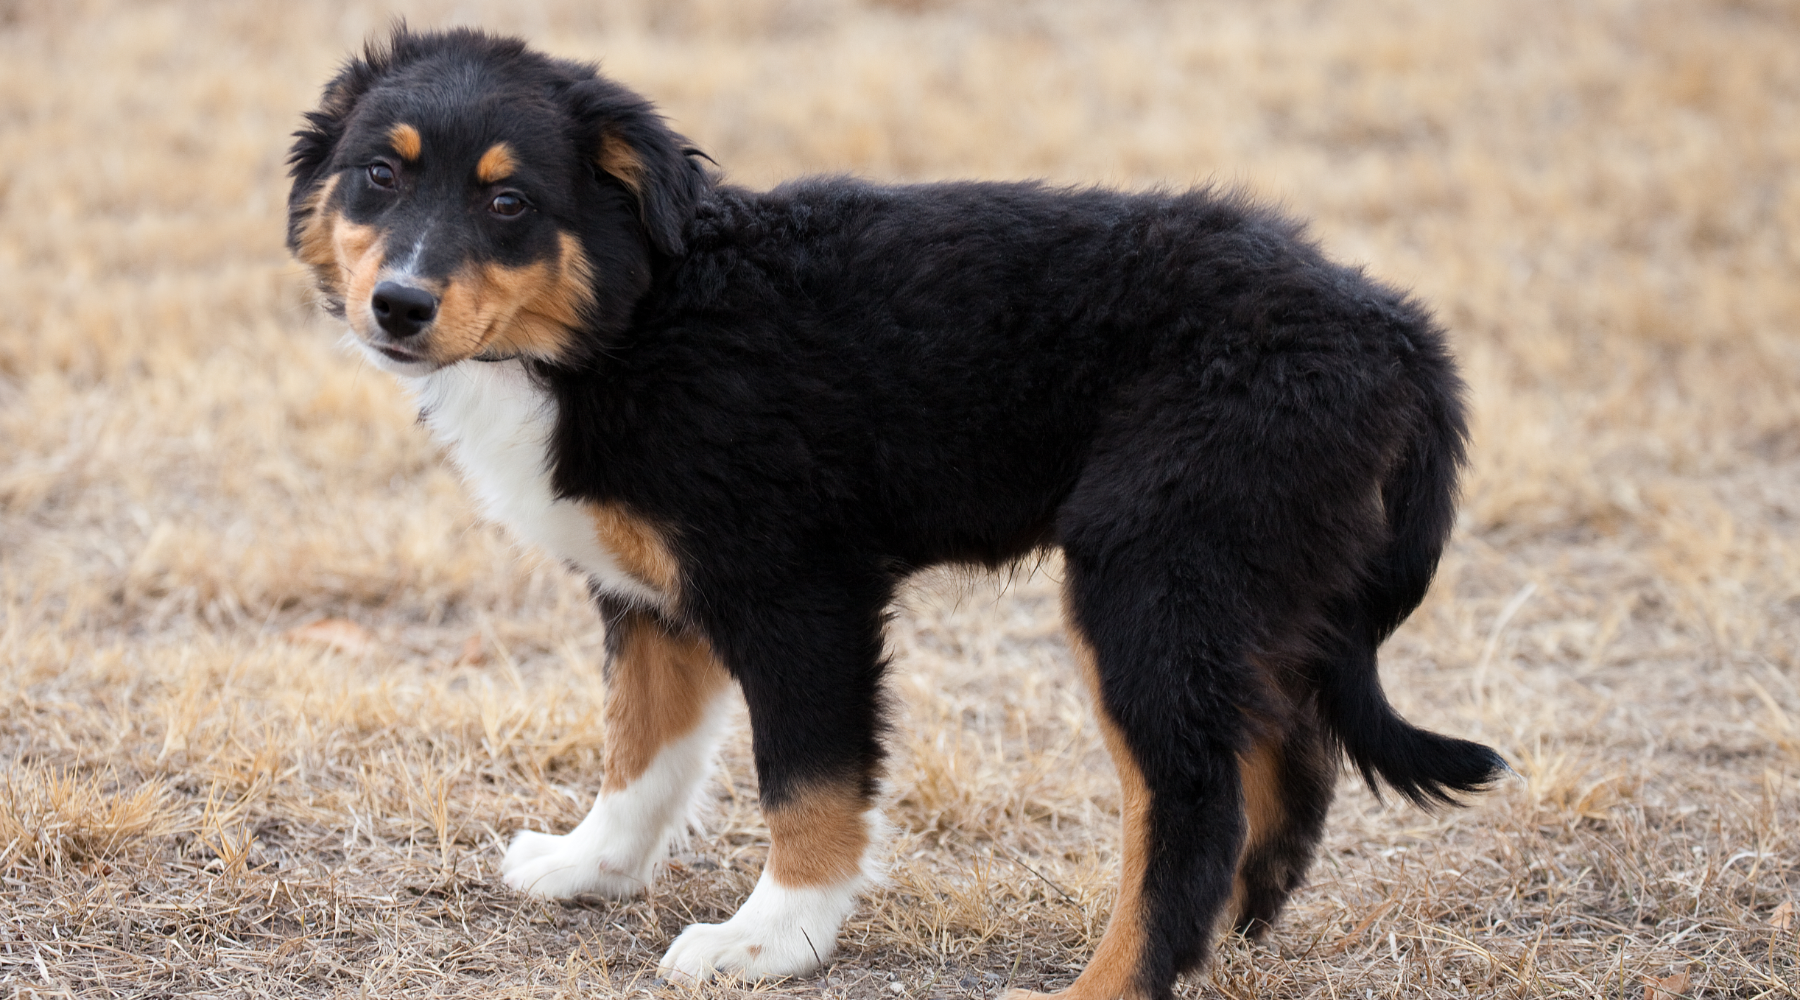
column 637, row 546
column 1259, row 771
column 497, row 164
column 406, row 141
column 818, row 837
column 1112, row 972
column 530, row 310
column 658, row 687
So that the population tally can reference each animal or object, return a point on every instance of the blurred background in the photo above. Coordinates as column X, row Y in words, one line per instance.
column 271, row 698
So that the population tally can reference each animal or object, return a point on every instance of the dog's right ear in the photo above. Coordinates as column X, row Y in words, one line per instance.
column 314, row 145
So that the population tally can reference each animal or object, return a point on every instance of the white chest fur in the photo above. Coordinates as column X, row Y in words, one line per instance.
column 496, row 423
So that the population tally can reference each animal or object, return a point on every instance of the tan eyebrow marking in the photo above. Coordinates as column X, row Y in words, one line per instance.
column 405, row 140
column 496, row 164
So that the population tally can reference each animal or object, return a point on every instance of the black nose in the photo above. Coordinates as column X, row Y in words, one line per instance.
column 403, row 310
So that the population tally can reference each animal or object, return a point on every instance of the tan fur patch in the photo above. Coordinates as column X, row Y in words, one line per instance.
column 315, row 244
column 620, row 160
column 406, row 141
column 1259, row 771
column 497, row 164
column 1112, row 972
column 818, row 837
column 528, row 310
column 638, row 546
column 357, row 249
column 657, row 689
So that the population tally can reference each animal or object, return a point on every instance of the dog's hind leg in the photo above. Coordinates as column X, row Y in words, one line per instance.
column 1289, row 777
column 666, row 703
column 1167, row 668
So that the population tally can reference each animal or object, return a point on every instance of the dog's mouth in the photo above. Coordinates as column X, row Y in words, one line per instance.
column 400, row 359
column 404, row 357
column 424, row 349
column 424, row 352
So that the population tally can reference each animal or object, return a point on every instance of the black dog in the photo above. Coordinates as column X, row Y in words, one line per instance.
column 746, row 417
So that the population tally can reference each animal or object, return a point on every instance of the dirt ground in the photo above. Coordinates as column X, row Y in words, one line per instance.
column 272, row 700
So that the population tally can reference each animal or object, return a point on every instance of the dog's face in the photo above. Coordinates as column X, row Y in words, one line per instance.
column 458, row 196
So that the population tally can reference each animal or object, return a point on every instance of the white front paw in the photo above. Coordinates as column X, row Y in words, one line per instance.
column 777, row 932
column 528, row 846
column 553, row 867
column 732, row 948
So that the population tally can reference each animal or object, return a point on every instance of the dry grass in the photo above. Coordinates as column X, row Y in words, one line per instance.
column 198, row 800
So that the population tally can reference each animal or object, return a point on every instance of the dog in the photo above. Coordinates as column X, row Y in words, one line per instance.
column 746, row 417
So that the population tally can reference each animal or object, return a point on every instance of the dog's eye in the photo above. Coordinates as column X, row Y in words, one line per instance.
column 507, row 204
column 381, row 175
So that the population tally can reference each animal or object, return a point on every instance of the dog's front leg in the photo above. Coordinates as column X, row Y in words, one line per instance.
column 666, row 702
column 812, row 689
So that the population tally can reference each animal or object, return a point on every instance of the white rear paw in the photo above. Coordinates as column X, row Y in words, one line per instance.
column 777, row 932
column 552, row 867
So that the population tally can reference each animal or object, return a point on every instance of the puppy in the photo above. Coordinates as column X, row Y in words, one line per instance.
column 746, row 417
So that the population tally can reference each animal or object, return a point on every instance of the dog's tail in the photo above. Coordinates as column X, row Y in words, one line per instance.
column 1419, row 498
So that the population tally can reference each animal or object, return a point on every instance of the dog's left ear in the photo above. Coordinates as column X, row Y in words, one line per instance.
column 629, row 141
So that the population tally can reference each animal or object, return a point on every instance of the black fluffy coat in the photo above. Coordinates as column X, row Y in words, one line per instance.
column 1246, row 452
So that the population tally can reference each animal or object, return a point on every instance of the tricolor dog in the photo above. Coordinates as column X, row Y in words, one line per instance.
column 745, row 417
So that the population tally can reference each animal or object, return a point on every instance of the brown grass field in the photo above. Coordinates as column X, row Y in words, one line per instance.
column 272, row 700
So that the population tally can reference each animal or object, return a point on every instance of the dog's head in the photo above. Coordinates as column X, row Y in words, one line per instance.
column 458, row 195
